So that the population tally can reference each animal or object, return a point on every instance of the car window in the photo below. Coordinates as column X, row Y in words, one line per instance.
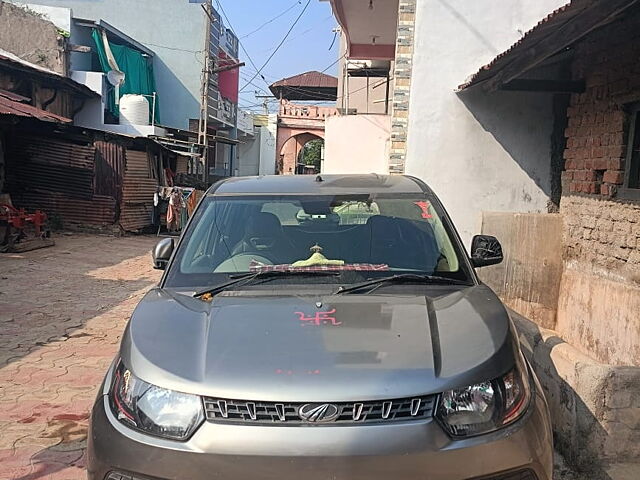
column 285, row 211
column 370, row 235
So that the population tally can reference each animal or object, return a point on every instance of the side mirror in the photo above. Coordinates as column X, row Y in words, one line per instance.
column 162, row 253
column 485, row 250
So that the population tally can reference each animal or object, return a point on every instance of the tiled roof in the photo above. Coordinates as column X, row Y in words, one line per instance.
column 566, row 16
column 308, row 80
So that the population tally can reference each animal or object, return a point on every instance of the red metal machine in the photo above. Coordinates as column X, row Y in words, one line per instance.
column 18, row 226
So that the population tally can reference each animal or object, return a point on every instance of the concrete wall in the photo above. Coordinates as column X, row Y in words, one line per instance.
column 268, row 147
column 595, row 407
column 32, row 37
column 357, row 144
column 174, row 29
column 528, row 280
column 599, row 309
column 479, row 152
column 249, row 154
column 364, row 95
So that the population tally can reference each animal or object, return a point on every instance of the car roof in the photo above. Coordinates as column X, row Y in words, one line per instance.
column 318, row 184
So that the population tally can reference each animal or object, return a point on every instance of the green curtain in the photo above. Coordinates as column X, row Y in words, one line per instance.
column 138, row 70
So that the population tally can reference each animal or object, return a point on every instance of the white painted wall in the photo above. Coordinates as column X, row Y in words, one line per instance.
column 249, row 154
column 173, row 29
column 357, row 144
column 92, row 113
column 478, row 152
column 268, row 146
column 59, row 16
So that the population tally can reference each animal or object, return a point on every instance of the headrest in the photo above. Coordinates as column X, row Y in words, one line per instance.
column 263, row 224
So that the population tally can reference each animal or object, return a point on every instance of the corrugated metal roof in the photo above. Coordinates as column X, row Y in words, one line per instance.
column 9, row 105
column 552, row 23
column 10, row 60
column 308, row 80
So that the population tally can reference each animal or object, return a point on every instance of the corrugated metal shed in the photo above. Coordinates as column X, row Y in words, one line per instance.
column 100, row 210
column 56, row 175
column 140, row 182
column 109, row 170
column 50, row 165
column 12, row 104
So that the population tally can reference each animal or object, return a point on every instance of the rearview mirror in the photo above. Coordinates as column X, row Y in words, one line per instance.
column 485, row 250
column 162, row 253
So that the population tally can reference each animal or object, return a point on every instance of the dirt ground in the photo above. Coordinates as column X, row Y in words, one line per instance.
column 62, row 312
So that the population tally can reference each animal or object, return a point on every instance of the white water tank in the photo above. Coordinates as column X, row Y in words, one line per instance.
column 134, row 110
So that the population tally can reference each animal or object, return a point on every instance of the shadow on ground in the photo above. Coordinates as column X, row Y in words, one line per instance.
column 47, row 295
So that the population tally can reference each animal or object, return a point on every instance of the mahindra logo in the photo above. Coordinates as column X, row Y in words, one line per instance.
column 318, row 412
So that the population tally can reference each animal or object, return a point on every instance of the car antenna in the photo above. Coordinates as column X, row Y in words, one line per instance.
column 319, row 179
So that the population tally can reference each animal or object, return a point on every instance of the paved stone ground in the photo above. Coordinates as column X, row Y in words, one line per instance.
column 62, row 311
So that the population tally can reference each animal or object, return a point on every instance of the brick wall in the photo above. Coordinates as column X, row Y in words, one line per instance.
column 596, row 134
column 599, row 229
column 600, row 290
column 603, row 233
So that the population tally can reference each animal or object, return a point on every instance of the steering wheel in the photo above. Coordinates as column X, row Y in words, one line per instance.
column 241, row 263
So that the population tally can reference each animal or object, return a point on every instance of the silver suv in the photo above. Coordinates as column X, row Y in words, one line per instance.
column 320, row 328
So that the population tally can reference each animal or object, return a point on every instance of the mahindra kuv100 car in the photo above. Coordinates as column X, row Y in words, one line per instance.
column 320, row 328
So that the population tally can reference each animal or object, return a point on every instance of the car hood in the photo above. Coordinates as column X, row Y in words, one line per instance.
column 274, row 347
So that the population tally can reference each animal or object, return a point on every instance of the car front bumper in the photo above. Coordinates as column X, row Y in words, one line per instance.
column 412, row 450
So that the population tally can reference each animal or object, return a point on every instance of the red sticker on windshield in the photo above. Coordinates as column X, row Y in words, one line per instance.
column 424, row 206
column 319, row 318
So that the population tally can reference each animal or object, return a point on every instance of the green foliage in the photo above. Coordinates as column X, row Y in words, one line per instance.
column 311, row 154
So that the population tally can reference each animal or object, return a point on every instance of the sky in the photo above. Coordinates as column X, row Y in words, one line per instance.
column 306, row 48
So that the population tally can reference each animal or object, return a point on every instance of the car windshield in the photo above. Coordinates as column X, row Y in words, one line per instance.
column 360, row 236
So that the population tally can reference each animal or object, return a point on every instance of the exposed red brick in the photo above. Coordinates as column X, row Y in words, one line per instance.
column 601, row 164
column 597, row 152
column 617, row 151
column 614, row 176
column 608, row 190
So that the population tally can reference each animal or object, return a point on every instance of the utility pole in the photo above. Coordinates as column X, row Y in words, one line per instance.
column 203, row 126
column 266, row 102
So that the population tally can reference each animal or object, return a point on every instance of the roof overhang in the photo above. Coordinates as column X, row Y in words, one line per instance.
column 369, row 26
column 13, row 64
column 310, row 86
column 16, row 106
column 552, row 37
column 114, row 35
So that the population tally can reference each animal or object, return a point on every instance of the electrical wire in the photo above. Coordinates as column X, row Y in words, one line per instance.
column 297, row 2
column 335, row 35
column 301, row 34
column 224, row 14
column 284, row 39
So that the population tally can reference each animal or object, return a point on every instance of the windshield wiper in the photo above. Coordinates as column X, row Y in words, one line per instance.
column 243, row 279
column 400, row 278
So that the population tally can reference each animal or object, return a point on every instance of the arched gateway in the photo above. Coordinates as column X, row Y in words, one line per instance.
column 300, row 123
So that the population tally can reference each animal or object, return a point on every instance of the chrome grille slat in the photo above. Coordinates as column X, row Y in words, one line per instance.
column 271, row 413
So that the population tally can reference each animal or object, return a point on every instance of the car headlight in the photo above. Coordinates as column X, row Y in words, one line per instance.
column 153, row 410
column 486, row 406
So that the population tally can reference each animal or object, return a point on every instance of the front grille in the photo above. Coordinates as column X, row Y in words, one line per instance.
column 272, row 413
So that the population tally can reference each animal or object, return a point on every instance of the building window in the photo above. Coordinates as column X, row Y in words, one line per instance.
column 631, row 186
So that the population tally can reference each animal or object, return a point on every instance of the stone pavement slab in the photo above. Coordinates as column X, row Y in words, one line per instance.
column 62, row 313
